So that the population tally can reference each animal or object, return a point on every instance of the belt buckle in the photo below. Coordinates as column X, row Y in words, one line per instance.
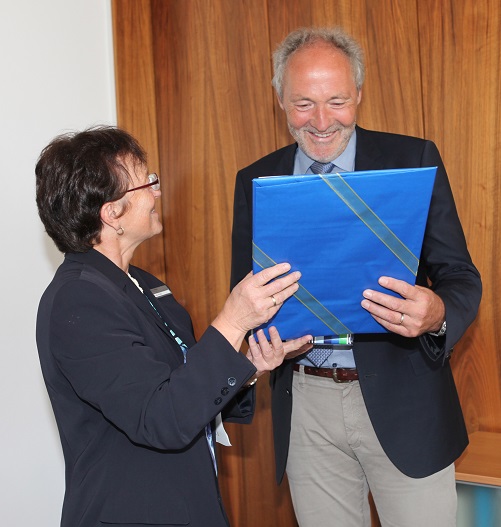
column 335, row 377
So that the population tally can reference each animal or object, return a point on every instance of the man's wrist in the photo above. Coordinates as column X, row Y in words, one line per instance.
column 250, row 383
column 440, row 332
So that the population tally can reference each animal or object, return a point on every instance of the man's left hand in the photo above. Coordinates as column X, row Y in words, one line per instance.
column 419, row 310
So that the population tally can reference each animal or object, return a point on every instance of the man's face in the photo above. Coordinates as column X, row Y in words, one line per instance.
column 320, row 100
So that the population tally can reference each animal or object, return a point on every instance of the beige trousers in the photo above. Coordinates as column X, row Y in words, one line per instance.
column 335, row 458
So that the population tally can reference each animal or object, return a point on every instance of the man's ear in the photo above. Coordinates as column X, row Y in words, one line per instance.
column 359, row 98
column 280, row 103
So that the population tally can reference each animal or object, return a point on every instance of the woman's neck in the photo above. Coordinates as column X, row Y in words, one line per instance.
column 116, row 254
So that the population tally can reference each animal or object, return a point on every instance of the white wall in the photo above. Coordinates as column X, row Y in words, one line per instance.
column 56, row 74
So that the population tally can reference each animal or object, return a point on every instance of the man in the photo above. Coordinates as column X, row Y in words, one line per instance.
column 393, row 424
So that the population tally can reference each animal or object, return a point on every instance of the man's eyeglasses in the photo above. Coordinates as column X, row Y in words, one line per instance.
column 154, row 183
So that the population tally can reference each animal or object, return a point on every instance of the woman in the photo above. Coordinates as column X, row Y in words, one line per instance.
column 133, row 393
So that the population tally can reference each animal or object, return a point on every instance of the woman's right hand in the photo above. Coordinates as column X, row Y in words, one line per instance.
column 255, row 300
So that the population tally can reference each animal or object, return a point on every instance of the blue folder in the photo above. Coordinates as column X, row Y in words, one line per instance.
column 342, row 231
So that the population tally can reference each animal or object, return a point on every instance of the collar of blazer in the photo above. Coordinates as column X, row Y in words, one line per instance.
column 106, row 267
column 368, row 156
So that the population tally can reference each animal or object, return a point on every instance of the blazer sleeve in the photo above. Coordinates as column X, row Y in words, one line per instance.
column 125, row 367
column 446, row 262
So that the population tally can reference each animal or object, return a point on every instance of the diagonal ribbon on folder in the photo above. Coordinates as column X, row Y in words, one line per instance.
column 372, row 221
column 304, row 296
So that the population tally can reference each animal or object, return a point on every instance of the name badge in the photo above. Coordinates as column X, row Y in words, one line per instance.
column 161, row 291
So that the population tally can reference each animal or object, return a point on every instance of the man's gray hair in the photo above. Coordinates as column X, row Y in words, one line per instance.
column 306, row 36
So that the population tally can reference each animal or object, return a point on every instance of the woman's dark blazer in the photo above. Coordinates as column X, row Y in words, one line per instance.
column 406, row 383
column 130, row 414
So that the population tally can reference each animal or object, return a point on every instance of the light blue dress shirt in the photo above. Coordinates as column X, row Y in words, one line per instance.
column 339, row 358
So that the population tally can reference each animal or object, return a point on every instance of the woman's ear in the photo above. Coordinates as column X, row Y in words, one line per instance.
column 109, row 215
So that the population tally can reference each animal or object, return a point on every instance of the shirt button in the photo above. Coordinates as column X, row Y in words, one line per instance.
column 218, row 400
column 232, row 381
column 225, row 391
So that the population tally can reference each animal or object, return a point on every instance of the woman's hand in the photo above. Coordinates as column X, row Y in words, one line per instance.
column 268, row 355
column 255, row 300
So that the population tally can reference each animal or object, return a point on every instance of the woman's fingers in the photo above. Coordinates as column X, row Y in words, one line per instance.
column 274, row 284
column 280, row 296
column 267, row 354
column 254, row 350
column 268, row 274
column 296, row 347
column 277, row 345
column 255, row 300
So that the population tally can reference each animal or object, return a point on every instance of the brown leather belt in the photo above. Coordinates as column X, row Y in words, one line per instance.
column 336, row 374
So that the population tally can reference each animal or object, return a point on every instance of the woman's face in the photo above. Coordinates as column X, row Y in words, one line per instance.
column 141, row 220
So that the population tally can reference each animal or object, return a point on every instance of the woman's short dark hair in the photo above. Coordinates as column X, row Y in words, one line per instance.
column 76, row 174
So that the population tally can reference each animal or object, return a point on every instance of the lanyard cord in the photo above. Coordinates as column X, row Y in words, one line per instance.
column 184, row 349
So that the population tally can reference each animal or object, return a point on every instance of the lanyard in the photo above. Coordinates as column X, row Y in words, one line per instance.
column 184, row 349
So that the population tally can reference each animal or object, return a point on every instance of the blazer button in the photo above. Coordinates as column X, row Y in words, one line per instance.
column 232, row 381
column 288, row 392
column 219, row 400
column 225, row 391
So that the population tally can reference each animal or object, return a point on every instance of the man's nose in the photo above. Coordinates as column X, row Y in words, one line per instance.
column 321, row 120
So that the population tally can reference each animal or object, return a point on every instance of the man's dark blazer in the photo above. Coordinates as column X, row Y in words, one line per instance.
column 130, row 414
column 406, row 383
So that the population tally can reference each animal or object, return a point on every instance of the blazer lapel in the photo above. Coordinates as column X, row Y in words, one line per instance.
column 161, row 317
column 367, row 156
column 285, row 165
column 141, row 301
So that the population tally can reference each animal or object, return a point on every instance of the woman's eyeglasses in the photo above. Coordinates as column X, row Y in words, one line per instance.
column 154, row 183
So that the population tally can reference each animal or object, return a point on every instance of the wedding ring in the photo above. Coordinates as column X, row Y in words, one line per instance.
column 401, row 318
column 274, row 300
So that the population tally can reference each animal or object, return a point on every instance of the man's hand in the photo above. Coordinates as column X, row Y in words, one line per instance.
column 419, row 310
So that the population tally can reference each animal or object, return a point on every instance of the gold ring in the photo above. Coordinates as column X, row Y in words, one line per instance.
column 401, row 318
column 274, row 300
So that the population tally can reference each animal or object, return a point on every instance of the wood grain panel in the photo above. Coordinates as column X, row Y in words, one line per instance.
column 481, row 463
column 215, row 115
column 389, row 36
column 248, row 472
column 387, row 31
column 136, row 101
column 461, row 42
column 213, row 104
column 193, row 84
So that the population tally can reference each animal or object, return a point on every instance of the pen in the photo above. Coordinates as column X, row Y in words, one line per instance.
column 345, row 340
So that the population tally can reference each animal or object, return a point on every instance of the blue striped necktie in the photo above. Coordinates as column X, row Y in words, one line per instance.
column 318, row 356
column 321, row 168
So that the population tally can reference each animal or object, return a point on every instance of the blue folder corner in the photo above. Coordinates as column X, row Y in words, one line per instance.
column 342, row 231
